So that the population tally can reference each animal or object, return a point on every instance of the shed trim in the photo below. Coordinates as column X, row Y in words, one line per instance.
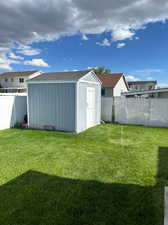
column 61, row 81
column 94, row 75
column 89, row 82
column 76, row 108
column 27, row 105
column 50, row 81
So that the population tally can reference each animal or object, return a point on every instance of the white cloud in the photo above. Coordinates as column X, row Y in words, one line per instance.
column 5, row 66
column 13, row 56
column 149, row 78
column 36, row 62
column 146, row 72
column 92, row 67
column 163, row 85
column 120, row 45
column 149, row 71
column 122, row 34
column 26, row 22
column 131, row 78
column 105, row 43
column 84, row 37
column 5, row 63
column 28, row 50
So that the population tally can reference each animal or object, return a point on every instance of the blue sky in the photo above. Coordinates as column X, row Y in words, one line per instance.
column 139, row 49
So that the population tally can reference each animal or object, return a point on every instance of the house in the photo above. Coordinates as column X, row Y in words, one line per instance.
column 155, row 93
column 142, row 85
column 113, row 84
column 16, row 81
column 68, row 101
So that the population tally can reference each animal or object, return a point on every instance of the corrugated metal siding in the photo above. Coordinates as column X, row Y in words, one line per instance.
column 52, row 104
column 82, row 105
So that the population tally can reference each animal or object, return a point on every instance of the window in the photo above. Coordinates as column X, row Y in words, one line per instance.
column 103, row 92
column 12, row 79
column 6, row 79
column 21, row 80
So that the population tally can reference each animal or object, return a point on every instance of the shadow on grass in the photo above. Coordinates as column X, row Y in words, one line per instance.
column 35, row 198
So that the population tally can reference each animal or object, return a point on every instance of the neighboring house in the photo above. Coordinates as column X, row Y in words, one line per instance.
column 16, row 81
column 68, row 101
column 142, row 85
column 156, row 93
column 113, row 84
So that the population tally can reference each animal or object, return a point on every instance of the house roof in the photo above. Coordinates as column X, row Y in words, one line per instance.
column 61, row 76
column 110, row 80
column 158, row 90
column 17, row 74
column 142, row 82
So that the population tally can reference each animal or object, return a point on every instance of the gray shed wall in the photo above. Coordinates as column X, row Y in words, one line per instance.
column 52, row 104
column 82, row 105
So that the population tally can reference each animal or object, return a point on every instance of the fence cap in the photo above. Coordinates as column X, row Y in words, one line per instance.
column 13, row 94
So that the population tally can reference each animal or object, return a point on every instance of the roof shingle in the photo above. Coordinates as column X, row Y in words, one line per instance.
column 62, row 76
column 142, row 82
column 110, row 80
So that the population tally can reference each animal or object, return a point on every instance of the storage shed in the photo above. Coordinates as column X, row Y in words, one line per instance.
column 67, row 101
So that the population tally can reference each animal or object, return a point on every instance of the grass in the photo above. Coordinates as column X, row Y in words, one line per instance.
column 108, row 175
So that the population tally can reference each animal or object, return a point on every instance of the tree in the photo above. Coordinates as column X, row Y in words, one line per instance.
column 101, row 70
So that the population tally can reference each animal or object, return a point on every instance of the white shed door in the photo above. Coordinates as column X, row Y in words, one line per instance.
column 91, row 110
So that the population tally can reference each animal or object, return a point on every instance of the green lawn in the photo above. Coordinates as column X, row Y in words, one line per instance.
column 108, row 175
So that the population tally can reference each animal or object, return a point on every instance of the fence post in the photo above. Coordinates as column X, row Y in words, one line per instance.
column 149, row 115
column 113, row 110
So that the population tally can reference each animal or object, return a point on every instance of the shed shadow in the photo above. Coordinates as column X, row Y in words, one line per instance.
column 36, row 198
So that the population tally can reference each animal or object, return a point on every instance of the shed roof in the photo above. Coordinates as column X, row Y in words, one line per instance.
column 61, row 76
column 110, row 80
column 17, row 74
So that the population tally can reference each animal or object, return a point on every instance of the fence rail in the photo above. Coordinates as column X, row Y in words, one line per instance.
column 138, row 111
column 13, row 90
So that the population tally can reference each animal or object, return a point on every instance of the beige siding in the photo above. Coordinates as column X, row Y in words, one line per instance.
column 15, row 83
column 120, row 87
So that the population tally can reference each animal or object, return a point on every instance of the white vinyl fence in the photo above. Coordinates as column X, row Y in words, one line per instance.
column 107, row 109
column 138, row 111
column 12, row 110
